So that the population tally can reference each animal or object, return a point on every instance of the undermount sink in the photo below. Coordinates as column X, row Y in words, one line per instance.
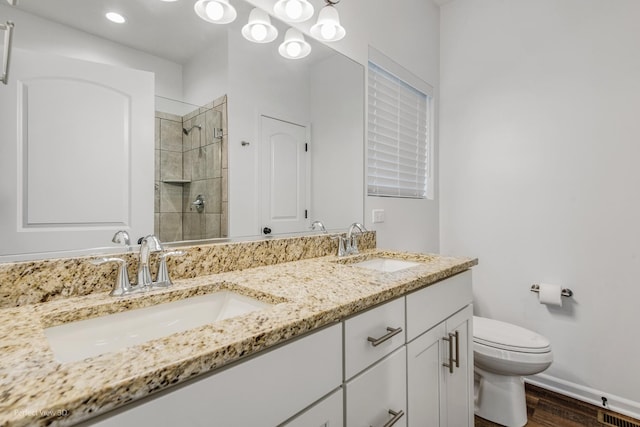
column 91, row 337
column 386, row 265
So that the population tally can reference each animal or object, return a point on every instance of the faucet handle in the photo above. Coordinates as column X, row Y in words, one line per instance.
column 122, row 286
column 353, row 245
column 162, row 278
column 341, row 245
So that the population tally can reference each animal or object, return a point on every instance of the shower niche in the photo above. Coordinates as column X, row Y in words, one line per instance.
column 191, row 170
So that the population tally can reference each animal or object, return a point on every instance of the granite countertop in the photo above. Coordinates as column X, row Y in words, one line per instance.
column 35, row 389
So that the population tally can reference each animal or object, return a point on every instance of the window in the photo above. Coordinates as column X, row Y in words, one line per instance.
column 399, row 134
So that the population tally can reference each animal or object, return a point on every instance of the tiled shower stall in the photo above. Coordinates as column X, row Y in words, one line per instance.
column 190, row 165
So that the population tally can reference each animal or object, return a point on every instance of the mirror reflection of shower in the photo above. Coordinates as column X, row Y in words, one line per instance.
column 191, row 164
column 188, row 131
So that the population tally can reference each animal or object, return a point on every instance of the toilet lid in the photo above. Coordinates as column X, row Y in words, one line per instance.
column 505, row 336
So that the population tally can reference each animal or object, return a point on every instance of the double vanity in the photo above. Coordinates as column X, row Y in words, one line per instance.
column 276, row 332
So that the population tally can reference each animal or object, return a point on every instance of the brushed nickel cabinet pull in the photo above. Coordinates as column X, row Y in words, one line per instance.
column 6, row 57
column 449, row 365
column 457, row 359
column 396, row 416
column 391, row 333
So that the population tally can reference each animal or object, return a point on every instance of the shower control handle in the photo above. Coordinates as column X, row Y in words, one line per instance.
column 199, row 203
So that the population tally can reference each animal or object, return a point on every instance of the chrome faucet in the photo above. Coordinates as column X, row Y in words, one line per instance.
column 349, row 245
column 148, row 245
column 352, row 241
column 318, row 225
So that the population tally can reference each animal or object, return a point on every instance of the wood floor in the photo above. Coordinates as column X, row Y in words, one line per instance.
column 549, row 409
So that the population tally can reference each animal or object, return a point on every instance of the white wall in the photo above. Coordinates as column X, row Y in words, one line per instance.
column 34, row 33
column 205, row 76
column 337, row 117
column 539, row 162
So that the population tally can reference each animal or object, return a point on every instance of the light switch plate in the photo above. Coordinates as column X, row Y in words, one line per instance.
column 377, row 216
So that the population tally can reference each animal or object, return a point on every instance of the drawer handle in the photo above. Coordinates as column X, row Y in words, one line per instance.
column 396, row 417
column 391, row 333
column 453, row 360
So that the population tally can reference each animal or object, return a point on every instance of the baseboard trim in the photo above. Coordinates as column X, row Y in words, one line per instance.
column 586, row 394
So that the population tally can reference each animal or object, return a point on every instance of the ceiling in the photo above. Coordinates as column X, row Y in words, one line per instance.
column 170, row 30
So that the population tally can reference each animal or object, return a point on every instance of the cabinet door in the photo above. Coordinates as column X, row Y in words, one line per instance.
column 379, row 394
column 425, row 377
column 459, row 384
column 326, row 413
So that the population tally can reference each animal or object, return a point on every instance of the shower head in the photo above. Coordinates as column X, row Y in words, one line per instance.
column 187, row 131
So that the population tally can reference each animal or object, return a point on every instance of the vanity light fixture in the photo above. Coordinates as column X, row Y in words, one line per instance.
column 115, row 17
column 215, row 11
column 294, row 45
column 259, row 28
column 328, row 27
column 293, row 10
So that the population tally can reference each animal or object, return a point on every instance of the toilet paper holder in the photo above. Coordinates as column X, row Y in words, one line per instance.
column 565, row 292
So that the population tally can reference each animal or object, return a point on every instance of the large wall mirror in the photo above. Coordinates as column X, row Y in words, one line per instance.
column 223, row 138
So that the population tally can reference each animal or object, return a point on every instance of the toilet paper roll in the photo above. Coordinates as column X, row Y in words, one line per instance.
column 550, row 294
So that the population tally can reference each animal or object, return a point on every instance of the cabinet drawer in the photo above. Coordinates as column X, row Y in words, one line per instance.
column 263, row 391
column 326, row 413
column 431, row 305
column 379, row 390
column 378, row 323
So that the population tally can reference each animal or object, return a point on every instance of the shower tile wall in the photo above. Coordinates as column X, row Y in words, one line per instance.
column 188, row 166
column 168, row 170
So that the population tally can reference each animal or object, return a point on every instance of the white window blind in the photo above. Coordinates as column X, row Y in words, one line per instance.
column 398, row 128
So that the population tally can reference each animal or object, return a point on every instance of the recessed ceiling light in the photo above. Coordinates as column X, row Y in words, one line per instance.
column 115, row 17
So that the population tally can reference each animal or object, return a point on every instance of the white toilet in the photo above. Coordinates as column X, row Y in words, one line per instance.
column 504, row 353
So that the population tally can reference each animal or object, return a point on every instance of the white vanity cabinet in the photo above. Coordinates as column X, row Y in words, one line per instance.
column 263, row 391
column 382, row 367
column 440, row 354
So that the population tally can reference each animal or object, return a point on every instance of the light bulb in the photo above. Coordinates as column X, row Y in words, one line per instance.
column 293, row 9
column 294, row 49
column 214, row 10
column 258, row 32
column 115, row 17
column 328, row 31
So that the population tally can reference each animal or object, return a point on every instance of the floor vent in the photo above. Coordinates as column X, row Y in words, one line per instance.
column 616, row 420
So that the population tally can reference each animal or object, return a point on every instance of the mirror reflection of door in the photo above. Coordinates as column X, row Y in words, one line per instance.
column 285, row 186
column 76, row 150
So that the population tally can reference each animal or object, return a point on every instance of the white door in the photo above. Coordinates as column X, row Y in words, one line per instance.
column 284, row 172
column 76, row 154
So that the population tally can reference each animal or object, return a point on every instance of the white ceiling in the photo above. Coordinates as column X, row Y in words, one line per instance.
column 170, row 30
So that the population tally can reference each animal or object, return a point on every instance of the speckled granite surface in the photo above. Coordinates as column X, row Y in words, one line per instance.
column 46, row 280
column 35, row 389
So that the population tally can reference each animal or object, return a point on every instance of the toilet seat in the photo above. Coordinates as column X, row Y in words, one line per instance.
column 507, row 337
